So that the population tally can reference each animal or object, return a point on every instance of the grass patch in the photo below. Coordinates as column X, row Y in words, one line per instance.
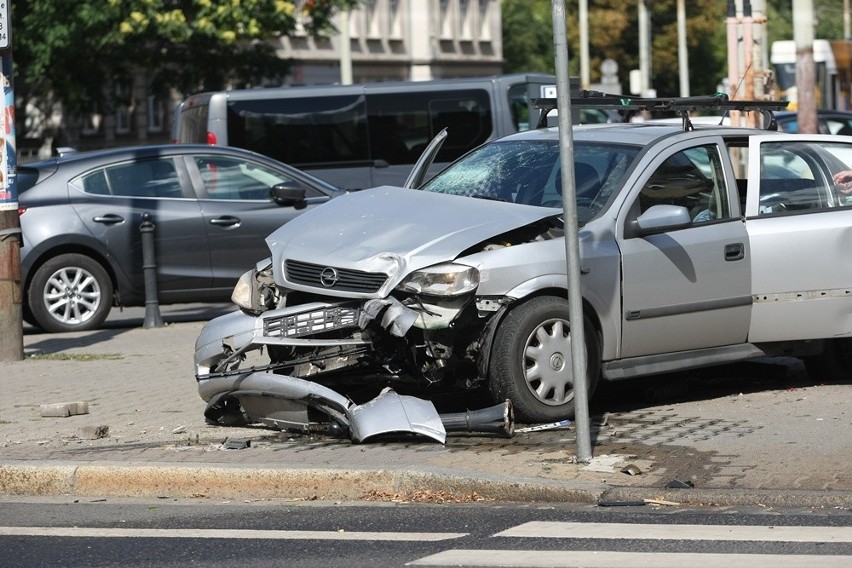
column 76, row 356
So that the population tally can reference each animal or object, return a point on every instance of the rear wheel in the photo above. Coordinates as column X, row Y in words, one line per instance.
column 531, row 361
column 71, row 292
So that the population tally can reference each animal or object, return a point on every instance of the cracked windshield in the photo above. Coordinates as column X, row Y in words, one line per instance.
column 528, row 173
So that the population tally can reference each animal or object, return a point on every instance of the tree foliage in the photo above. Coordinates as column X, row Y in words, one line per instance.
column 614, row 34
column 73, row 50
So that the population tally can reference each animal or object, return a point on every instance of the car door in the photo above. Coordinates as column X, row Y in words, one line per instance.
column 238, row 210
column 111, row 201
column 687, row 287
column 800, row 230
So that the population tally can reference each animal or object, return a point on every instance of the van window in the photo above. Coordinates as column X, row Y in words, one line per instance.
column 302, row 131
column 402, row 124
column 193, row 124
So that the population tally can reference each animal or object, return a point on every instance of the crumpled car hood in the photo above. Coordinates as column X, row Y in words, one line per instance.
column 395, row 230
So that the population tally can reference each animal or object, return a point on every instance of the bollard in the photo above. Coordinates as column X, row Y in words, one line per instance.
column 149, row 268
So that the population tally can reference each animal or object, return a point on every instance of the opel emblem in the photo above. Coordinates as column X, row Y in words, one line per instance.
column 328, row 277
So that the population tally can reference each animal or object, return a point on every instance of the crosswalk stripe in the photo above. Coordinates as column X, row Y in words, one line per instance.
column 550, row 529
column 607, row 559
column 106, row 532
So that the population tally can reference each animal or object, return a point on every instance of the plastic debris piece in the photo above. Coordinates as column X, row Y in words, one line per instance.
column 549, row 426
column 631, row 469
column 678, row 484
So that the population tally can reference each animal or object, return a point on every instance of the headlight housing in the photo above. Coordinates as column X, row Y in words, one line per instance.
column 255, row 291
column 442, row 280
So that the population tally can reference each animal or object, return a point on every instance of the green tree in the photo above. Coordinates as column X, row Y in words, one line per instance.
column 72, row 51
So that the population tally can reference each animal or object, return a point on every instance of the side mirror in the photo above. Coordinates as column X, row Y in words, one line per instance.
column 661, row 218
column 289, row 194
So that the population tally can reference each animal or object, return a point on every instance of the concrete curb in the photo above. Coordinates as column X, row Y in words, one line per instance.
column 238, row 482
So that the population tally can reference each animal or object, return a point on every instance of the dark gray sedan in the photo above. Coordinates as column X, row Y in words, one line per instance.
column 211, row 208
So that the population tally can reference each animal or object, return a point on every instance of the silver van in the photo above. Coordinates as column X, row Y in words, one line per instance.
column 365, row 135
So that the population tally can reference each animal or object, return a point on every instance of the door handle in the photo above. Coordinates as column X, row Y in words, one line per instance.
column 108, row 219
column 227, row 221
column 734, row 251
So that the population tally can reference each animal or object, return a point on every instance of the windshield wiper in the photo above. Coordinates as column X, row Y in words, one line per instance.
column 488, row 197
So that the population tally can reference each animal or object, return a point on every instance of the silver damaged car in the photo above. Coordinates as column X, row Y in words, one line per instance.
column 699, row 246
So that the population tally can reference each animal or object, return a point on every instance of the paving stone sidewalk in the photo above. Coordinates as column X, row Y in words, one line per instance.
column 789, row 444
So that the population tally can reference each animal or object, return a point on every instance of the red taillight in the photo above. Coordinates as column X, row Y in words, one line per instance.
column 211, row 138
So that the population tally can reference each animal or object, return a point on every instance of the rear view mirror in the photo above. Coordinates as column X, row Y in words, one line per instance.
column 289, row 194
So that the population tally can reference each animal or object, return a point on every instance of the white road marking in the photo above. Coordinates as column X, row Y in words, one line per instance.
column 106, row 532
column 606, row 559
column 544, row 529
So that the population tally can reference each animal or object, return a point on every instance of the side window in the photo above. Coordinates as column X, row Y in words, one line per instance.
column 795, row 177
column 301, row 130
column 148, row 178
column 691, row 178
column 228, row 178
column 402, row 124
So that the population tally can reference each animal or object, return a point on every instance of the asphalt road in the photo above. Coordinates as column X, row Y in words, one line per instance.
column 262, row 533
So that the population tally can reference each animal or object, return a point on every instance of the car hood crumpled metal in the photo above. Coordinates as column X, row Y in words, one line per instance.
column 395, row 230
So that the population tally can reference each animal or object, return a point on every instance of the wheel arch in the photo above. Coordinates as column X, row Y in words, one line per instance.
column 487, row 340
column 72, row 248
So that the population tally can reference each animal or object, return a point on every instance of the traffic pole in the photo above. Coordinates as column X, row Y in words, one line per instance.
column 11, row 323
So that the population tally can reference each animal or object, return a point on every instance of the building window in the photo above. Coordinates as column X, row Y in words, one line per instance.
column 122, row 107
column 155, row 114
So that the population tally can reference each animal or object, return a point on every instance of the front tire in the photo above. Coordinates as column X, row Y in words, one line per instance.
column 531, row 362
column 71, row 292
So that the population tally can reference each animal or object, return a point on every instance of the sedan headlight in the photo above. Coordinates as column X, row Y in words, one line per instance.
column 442, row 280
column 245, row 291
column 255, row 290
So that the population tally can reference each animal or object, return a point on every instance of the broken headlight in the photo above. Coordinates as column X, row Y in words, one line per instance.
column 442, row 280
column 255, row 291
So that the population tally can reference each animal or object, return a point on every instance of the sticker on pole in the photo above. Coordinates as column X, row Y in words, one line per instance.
column 5, row 36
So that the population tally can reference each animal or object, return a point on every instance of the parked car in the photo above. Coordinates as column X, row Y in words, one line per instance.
column 211, row 208
column 828, row 122
column 700, row 245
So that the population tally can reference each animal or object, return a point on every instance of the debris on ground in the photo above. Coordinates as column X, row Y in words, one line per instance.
column 423, row 496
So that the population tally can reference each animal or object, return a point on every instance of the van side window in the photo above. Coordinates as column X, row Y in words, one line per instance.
column 302, row 131
column 402, row 124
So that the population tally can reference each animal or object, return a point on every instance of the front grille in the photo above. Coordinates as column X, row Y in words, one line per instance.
column 311, row 323
column 347, row 280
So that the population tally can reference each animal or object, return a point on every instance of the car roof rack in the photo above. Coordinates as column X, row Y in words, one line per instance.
column 630, row 106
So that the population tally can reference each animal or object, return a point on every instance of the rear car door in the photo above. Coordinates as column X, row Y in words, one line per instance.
column 688, row 287
column 800, row 228
column 238, row 211
column 111, row 201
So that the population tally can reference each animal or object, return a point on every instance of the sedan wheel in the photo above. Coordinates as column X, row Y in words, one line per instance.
column 531, row 361
column 71, row 292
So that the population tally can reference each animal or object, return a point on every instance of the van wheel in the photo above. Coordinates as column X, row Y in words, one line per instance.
column 531, row 361
column 834, row 363
column 71, row 292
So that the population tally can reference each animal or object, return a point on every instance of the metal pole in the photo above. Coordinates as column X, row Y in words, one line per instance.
column 644, row 50
column 572, row 247
column 11, row 338
column 803, row 33
column 345, row 49
column 585, row 77
column 733, row 58
column 149, row 268
column 682, row 52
